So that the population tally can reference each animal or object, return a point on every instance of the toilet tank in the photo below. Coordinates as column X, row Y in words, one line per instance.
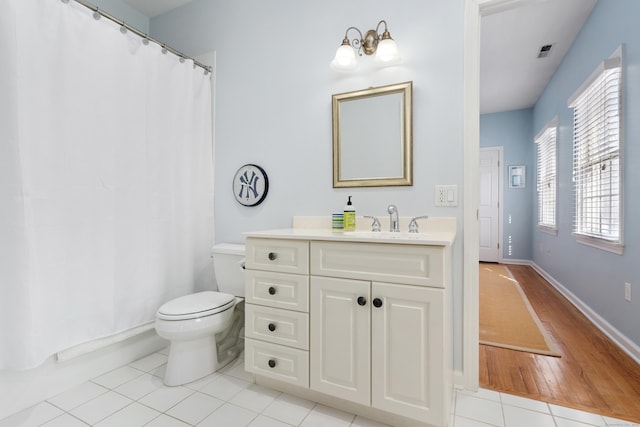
column 228, row 262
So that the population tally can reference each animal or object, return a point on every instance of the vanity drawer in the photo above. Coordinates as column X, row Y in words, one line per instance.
column 285, row 256
column 406, row 264
column 278, row 326
column 280, row 290
column 282, row 363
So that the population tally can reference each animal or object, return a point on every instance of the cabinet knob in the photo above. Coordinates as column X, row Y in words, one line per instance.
column 272, row 363
column 272, row 327
column 272, row 256
column 377, row 302
column 272, row 290
column 362, row 300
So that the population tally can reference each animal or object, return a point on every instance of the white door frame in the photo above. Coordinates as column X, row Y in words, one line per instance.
column 473, row 10
column 471, row 238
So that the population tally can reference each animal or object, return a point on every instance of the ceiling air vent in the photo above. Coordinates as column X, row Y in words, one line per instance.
column 545, row 51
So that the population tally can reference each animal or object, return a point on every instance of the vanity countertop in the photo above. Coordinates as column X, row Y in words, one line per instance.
column 437, row 238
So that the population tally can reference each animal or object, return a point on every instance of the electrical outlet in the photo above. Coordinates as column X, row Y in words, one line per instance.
column 627, row 291
column 446, row 195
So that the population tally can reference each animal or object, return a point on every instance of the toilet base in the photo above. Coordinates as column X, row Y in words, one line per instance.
column 193, row 359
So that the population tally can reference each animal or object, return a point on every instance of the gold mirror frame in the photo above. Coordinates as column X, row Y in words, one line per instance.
column 402, row 114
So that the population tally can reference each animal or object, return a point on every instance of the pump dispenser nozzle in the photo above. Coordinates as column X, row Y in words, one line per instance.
column 349, row 216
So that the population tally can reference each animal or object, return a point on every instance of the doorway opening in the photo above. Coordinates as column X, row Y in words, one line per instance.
column 490, row 204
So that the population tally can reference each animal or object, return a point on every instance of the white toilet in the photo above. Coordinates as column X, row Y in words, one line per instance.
column 204, row 328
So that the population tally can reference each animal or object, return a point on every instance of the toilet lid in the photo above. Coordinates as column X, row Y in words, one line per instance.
column 196, row 305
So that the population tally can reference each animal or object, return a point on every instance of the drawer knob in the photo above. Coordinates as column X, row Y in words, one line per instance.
column 272, row 256
column 272, row 327
column 272, row 290
column 362, row 300
column 272, row 363
column 377, row 302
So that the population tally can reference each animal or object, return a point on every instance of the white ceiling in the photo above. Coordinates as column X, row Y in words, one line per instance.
column 512, row 33
column 153, row 8
column 512, row 76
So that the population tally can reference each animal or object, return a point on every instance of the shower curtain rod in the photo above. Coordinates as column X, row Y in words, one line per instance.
column 144, row 36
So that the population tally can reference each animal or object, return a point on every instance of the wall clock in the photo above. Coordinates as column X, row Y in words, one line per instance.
column 250, row 185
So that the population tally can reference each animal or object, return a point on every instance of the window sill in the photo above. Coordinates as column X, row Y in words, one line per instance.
column 548, row 230
column 616, row 248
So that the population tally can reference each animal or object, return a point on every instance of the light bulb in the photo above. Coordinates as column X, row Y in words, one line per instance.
column 345, row 59
column 387, row 52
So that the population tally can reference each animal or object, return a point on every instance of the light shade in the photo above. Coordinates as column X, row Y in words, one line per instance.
column 387, row 52
column 345, row 59
column 372, row 42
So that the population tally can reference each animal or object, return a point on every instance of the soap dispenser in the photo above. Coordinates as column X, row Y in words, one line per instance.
column 349, row 216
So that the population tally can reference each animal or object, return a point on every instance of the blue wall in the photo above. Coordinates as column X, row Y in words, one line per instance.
column 121, row 10
column 595, row 276
column 279, row 115
column 273, row 88
column 512, row 130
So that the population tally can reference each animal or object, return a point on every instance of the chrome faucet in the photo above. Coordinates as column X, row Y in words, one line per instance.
column 394, row 223
column 413, row 224
column 375, row 225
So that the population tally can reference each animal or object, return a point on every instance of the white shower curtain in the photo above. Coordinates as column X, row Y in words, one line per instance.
column 106, row 181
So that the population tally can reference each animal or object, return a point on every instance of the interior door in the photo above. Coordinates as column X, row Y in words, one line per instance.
column 489, row 209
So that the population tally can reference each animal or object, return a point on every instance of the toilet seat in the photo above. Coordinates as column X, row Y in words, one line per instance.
column 193, row 306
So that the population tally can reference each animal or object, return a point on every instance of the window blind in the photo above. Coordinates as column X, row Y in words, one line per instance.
column 546, row 143
column 597, row 154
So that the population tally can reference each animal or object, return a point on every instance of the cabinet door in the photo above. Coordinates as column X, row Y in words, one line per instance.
column 340, row 338
column 407, row 351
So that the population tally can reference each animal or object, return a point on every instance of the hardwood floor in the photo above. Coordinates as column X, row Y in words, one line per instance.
column 593, row 374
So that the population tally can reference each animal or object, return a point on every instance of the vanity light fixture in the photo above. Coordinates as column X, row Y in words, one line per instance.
column 382, row 45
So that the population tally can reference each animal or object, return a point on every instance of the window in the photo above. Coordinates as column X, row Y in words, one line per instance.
column 546, row 143
column 597, row 157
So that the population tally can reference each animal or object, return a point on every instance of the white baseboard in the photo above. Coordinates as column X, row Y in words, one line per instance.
column 628, row 346
column 22, row 389
column 516, row 261
column 459, row 380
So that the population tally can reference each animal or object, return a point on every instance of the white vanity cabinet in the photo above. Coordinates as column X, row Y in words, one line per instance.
column 379, row 327
column 379, row 344
column 277, row 309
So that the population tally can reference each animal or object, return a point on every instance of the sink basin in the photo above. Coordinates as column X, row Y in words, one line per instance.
column 431, row 237
column 387, row 235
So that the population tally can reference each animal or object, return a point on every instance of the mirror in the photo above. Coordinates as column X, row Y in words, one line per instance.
column 372, row 137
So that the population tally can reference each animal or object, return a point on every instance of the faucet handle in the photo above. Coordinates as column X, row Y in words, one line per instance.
column 413, row 224
column 375, row 225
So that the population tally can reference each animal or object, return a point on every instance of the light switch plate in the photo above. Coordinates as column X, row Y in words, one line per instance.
column 446, row 195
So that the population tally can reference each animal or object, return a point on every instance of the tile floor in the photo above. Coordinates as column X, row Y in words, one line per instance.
column 134, row 395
